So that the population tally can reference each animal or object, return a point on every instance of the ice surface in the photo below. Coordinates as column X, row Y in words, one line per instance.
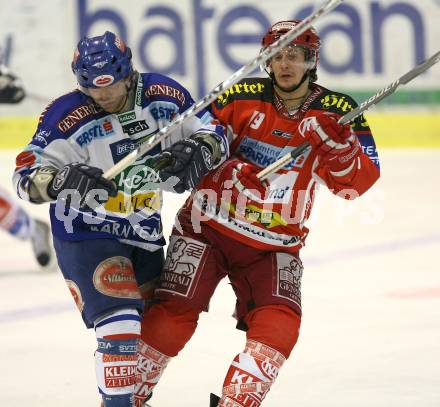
column 371, row 299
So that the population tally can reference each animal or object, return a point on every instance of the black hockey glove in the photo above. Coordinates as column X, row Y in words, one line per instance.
column 81, row 178
column 188, row 160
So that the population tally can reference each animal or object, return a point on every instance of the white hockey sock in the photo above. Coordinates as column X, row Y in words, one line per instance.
column 116, row 357
column 251, row 375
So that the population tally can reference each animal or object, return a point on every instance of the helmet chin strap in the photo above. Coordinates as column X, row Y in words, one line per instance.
column 292, row 88
column 122, row 104
column 128, row 89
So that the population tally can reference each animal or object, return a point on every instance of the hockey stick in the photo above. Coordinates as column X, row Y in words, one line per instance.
column 264, row 55
column 373, row 100
column 38, row 98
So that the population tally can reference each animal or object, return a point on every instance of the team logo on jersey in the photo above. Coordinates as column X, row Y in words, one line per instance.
column 165, row 90
column 336, row 101
column 121, row 148
column 163, row 110
column 369, row 148
column 133, row 128
column 77, row 116
column 126, row 117
column 240, row 88
column 264, row 154
column 283, row 134
column 103, row 80
column 94, row 131
column 42, row 135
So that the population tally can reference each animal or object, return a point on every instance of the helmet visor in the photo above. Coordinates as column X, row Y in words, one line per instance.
column 296, row 54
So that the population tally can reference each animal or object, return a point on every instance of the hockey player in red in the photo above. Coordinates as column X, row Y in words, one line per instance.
column 234, row 225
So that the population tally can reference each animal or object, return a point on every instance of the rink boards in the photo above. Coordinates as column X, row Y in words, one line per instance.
column 403, row 129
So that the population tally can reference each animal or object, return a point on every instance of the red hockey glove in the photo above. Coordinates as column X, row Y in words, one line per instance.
column 246, row 175
column 241, row 180
column 336, row 145
column 236, row 192
column 243, row 193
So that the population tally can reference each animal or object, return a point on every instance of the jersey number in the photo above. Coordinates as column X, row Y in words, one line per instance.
column 256, row 119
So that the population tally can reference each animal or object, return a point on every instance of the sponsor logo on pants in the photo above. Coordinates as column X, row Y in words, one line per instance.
column 289, row 273
column 180, row 271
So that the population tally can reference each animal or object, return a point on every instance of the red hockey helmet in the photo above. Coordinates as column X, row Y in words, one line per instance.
column 309, row 40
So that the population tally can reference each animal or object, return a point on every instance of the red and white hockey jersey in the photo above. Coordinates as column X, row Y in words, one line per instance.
column 261, row 131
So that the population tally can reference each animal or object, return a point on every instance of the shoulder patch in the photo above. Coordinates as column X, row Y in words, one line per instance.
column 68, row 111
column 76, row 115
column 161, row 89
column 157, row 87
column 336, row 102
column 340, row 104
column 246, row 89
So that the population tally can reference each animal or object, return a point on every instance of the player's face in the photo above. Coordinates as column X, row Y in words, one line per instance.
column 111, row 98
column 288, row 66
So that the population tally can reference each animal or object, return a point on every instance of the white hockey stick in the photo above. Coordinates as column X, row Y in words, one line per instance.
column 282, row 42
column 373, row 100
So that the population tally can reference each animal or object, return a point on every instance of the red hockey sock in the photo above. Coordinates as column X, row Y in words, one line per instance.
column 272, row 334
column 165, row 329
column 251, row 375
column 150, row 366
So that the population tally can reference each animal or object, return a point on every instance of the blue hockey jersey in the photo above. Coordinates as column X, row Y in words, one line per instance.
column 75, row 129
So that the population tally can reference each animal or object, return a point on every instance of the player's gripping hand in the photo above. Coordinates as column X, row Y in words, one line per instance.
column 336, row 144
column 82, row 178
column 241, row 179
column 246, row 176
column 188, row 160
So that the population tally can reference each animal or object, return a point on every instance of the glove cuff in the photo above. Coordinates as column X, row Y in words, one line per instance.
column 40, row 183
column 345, row 175
column 211, row 141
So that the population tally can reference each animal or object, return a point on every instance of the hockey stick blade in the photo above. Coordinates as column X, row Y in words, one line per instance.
column 347, row 118
column 264, row 55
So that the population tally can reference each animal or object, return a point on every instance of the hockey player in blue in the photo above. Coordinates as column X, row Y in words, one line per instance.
column 108, row 233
